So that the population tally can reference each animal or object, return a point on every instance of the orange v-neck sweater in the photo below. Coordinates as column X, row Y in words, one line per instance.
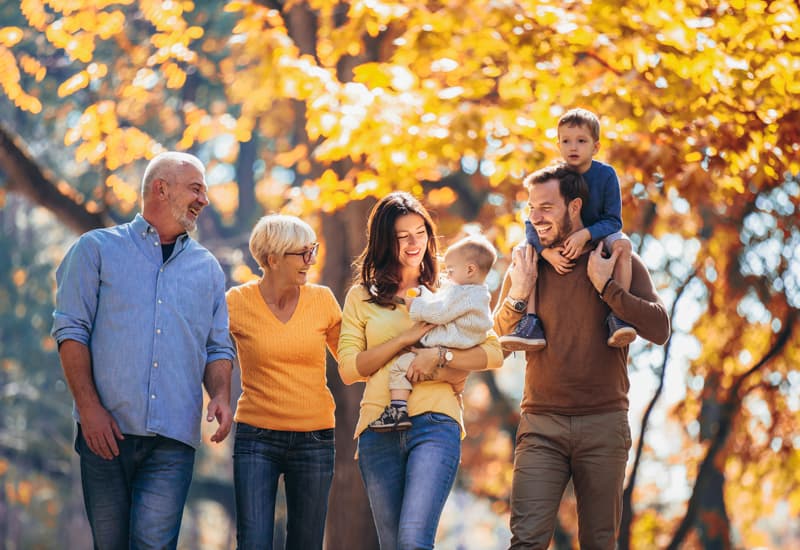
column 284, row 386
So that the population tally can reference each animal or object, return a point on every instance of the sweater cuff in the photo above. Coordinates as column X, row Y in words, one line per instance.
column 605, row 286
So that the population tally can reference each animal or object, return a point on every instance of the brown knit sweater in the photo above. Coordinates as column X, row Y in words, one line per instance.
column 577, row 373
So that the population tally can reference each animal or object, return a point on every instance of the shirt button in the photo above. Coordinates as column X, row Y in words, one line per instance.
column 153, row 396
column 158, row 331
column 161, row 270
column 159, row 301
column 155, row 244
column 155, row 364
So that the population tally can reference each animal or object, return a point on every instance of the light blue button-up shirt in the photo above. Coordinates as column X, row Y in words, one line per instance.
column 151, row 326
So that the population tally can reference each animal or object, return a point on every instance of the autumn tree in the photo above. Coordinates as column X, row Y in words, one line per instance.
column 318, row 107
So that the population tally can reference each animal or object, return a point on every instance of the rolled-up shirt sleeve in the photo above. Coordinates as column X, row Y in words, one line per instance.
column 352, row 337
column 494, row 353
column 77, row 280
column 219, row 344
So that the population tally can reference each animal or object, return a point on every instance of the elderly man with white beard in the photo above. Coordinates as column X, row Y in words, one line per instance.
column 142, row 324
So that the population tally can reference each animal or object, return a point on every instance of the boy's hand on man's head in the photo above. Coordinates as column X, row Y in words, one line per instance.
column 556, row 258
column 575, row 243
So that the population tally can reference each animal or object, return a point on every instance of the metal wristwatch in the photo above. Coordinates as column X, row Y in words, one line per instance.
column 516, row 305
column 445, row 356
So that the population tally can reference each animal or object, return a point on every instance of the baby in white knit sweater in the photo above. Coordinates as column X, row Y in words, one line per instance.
column 460, row 311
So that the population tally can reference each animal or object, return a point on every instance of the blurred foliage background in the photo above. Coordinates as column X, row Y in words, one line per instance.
column 316, row 108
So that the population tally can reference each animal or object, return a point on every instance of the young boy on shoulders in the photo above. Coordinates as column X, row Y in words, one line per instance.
column 578, row 142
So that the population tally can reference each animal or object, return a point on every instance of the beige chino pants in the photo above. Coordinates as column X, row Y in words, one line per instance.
column 551, row 448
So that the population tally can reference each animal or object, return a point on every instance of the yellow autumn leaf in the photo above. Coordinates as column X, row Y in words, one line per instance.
column 694, row 156
column 10, row 36
column 73, row 84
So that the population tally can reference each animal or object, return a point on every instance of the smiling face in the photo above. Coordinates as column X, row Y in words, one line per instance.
column 412, row 240
column 549, row 213
column 293, row 267
column 186, row 196
column 577, row 146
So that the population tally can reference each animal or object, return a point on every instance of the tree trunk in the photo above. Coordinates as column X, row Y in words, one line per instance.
column 349, row 522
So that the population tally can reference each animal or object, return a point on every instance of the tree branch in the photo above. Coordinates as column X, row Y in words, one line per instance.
column 627, row 494
column 24, row 177
column 729, row 407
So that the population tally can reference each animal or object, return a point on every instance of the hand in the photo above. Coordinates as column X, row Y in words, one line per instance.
column 600, row 269
column 523, row 271
column 222, row 412
column 424, row 365
column 412, row 335
column 556, row 258
column 101, row 432
column 574, row 244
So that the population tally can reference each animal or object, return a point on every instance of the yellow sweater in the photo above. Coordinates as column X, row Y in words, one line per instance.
column 366, row 325
column 284, row 386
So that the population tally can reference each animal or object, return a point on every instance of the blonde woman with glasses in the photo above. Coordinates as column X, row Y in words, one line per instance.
column 285, row 415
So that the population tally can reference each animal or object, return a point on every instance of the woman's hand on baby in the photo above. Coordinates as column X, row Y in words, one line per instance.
column 412, row 335
column 424, row 365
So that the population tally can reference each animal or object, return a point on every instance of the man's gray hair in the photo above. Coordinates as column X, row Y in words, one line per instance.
column 163, row 166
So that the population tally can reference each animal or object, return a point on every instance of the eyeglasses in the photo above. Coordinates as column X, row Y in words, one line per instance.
column 308, row 254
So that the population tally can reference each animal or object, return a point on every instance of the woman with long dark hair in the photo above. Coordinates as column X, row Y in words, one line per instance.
column 408, row 474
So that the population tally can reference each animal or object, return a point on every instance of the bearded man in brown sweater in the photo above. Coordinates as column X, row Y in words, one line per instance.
column 574, row 421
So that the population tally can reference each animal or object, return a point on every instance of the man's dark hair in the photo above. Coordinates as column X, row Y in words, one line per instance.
column 571, row 184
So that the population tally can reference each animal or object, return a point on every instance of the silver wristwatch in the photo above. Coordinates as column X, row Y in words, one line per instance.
column 517, row 305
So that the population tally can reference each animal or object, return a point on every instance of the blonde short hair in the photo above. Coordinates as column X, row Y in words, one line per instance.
column 277, row 234
column 477, row 250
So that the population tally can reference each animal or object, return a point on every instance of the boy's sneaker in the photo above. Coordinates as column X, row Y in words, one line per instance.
column 527, row 336
column 620, row 333
column 393, row 418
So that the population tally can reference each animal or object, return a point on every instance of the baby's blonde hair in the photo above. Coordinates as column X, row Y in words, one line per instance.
column 477, row 250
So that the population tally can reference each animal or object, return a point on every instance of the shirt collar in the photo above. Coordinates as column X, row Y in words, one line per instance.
column 142, row 227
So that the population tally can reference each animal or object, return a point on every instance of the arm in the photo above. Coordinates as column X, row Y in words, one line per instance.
column 518, row 283
column 217, row 380
column 442, row 307
column 641, row 307
column 610, row 211
column 356, row 362
column 78, row 280
column 425, row 365
column 219, row 363
column 99, row 428
column 335, row 326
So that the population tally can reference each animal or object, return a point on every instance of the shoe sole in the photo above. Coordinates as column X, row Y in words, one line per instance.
column 513, row 343
column 622, row 337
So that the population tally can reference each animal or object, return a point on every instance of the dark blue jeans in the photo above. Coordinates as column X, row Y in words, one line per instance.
column 136, row 499
column 408, row 476
column 305, row 459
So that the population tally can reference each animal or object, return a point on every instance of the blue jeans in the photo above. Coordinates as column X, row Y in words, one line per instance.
column 136, row 499
column 408, row 476
column 305, row 459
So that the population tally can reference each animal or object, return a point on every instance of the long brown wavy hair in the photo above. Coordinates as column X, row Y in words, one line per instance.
column 378, row 267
